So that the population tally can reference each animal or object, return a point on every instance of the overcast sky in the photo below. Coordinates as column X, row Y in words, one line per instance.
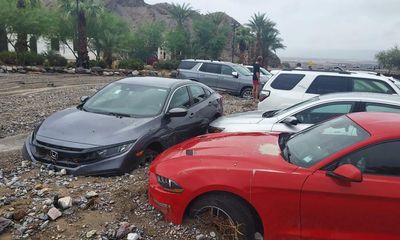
column 342, row 29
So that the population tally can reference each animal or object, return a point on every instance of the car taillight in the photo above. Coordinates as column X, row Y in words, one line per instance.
column 264, row 95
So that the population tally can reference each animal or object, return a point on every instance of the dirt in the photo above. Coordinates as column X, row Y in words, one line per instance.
column 25, row 100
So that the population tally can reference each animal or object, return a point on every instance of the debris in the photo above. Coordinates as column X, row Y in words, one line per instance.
column 20, row 214
column 133, row 236
column 123, row 230
column 90, row 234
column 65, row 202
column 4, row 223
column 54, row 213
column 91, row 194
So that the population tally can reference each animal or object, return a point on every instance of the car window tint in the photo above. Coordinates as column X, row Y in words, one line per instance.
column 377, row 107
column 225, row 70
column 198, row 94
column 187, row 65
column 370, row 85
column 381, row 159
column 286, row 81
column 329, row 84
column 210, row 68
column 323, row 112
column 180, row 99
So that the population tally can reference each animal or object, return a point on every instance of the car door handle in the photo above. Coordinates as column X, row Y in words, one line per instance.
column 191, row 115
column 210, row 103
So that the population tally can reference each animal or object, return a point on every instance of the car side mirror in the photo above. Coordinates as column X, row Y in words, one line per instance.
column 235, row 74
column 291, row 120
column 347, row 172
column 176, row 112
column 84, row 99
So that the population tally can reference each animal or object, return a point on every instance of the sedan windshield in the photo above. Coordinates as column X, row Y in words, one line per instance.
column 298, row 106
column 128, row 100
column 312, row 145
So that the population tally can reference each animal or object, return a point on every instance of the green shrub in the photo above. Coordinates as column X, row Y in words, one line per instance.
column 167, row 65
column 8, row 58
column 55, row 60
column 132, row 64
column 99, row 63
column 30, row 59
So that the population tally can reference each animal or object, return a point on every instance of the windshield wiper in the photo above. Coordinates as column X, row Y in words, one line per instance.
column 269, row 114
column 118, row 115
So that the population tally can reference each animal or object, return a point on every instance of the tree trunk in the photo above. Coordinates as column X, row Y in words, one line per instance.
column 3, row 40
column 83, row 55
column 107, row 55
column 33, row 44
column 22, row 38
column 55, row 44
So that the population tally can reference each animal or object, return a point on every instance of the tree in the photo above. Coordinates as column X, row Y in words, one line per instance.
column 146, row 40
column 389, row 59
column 181, row 13
column 6, row 13
column 245, row 41
column 267, row 36
column 81, row 10
column 177, row 42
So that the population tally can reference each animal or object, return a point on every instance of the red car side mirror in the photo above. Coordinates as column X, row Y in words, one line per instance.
column 347, row 172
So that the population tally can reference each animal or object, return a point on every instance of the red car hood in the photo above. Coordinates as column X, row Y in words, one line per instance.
column 250, row 151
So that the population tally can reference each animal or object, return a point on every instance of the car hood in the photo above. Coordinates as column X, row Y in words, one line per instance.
column 245, row 151
column 89, row 129
column 252, row 117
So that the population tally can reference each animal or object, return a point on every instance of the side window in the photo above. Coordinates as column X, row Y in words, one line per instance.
column 225, row 70
column 187, row 65
column 208, row 92
column 377, row 107
column 198, row 94
column 180, row 99
column 211, row 68
column 329, row 84
column 324, row 112
column 286, row 81
column 381, row 159
column 370, row 85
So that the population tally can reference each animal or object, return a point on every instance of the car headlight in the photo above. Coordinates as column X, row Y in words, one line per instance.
column 169, row 185
column 109, row 152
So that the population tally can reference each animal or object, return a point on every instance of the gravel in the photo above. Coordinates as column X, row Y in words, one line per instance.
column 39, row 203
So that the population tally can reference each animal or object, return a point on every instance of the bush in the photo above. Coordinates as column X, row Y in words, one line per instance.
column 55, row 60
column 132, row 64
column 8, row 58
column 30, row 59
column 95, row 63
column 167, row 65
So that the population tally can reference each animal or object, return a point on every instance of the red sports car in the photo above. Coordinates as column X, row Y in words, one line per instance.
column 336, row 180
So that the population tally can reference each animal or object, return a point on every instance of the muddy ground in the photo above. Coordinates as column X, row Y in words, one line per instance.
column 119, row 205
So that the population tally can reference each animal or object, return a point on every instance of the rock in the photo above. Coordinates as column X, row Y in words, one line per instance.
column 81, row 70
column 54, row 213
column 108, row 73
column 4, row 223
column 22, row 71
column 123, row 230
column 12, row 182
column 2, row 71
column 173, row 74
column 44, row 225
column 43, row 217
column 9, row 69
column 70, row 70
column 133, row 236
column 91, row 194
column 24, row 164
column 48, row 202
column 20, row 214
column 63, row 172
column 51, row 173
column 258, row 236
column 90, row 234
column 65, row 202
column 38, row 186
column 97, row 70
column 135, row 73
column 213, row 235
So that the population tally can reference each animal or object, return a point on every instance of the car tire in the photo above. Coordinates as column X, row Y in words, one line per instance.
column 246, row 93
column 148, row 156
column 234, row 209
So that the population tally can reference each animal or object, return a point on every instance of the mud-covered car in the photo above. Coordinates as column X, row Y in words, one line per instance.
column 125, row 124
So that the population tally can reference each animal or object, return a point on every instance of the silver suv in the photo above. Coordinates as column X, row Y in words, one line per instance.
column 224, row 76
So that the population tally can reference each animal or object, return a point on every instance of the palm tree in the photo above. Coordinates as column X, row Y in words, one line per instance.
column 267, row 36
column 181, row 13
column 81, row 9
column 245, row 40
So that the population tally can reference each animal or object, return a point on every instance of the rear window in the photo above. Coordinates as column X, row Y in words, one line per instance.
column 370, row 85
column 286, row 81
column 211, row 68
column 187, row 65
column 330, row 84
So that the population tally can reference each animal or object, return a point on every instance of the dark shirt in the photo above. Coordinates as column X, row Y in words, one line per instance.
column 256, row 69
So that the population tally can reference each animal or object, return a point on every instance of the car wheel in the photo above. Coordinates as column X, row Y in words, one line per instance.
column 148, row 156
column 229, row 216
column 247, row 93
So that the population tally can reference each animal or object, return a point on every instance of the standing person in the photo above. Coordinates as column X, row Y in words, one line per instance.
column 256, row 78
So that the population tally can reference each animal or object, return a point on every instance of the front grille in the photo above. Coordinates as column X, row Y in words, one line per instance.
column 62, row 156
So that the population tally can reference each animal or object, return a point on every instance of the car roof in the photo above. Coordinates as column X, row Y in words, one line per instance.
column 334, row 73
column 378, row 124
column 208, row 61
column 364, row 96
column 155, row 81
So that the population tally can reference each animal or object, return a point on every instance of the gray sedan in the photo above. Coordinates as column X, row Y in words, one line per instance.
column 307, row 113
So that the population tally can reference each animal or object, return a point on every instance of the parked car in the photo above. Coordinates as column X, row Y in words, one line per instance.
column 336, row 180
column 264, row 72
column 125, row 124
column 307, row 113
column 289, row 87
column 223, row 76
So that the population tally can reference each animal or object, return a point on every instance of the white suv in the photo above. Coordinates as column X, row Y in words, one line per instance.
column 289, row 87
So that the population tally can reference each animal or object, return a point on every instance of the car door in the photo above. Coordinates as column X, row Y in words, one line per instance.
column 200, row 112
column 226, row 80
column 178, row 129
column 209, row 74
column 333, row 208
column 314, row 115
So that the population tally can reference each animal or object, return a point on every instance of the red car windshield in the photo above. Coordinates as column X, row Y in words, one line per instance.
column 312, row 145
